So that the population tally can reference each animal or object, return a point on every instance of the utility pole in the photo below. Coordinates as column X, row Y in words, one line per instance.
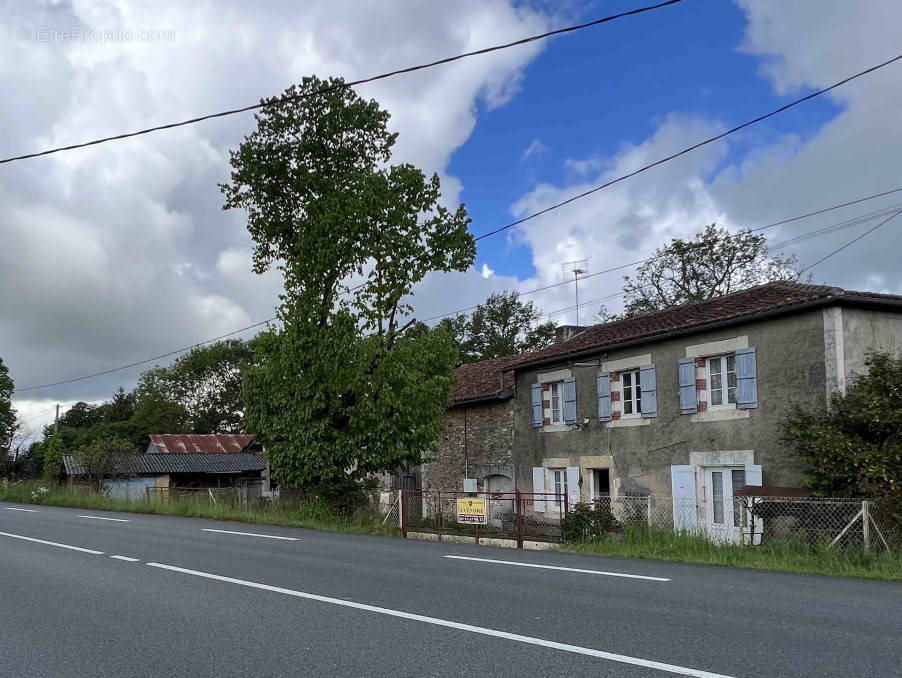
column 577, row 268
column 56, row 424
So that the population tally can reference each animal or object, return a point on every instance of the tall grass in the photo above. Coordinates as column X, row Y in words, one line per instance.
column 655, row 544
column 310, row 514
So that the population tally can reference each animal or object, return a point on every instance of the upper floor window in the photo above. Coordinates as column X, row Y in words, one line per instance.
column 631, row 393
column 556, row 402
column 722, row 381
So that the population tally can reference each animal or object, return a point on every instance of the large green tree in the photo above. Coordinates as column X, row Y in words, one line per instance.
column 854, row 447
column 350, row 383
column 714, row 263
column 503, row 325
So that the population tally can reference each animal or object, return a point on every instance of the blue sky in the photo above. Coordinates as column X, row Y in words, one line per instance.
column 591, row 91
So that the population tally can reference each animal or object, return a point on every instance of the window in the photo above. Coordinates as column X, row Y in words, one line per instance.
column 722, row 381
column 631, row 393
column 556, row 403
column 560, row 486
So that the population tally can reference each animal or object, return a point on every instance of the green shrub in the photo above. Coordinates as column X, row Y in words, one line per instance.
column 587, row 522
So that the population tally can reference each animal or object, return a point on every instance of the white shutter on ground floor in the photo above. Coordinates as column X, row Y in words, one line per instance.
column 685, row 515
column 538, row 485
column 572, row 485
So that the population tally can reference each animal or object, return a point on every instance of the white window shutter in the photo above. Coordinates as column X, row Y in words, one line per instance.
column 753, row 474
column 746, row 379
column 538, row 486
column 685, row 517
column 688, row 396
column 537, row 405
column 648, row 384
column 569, row 400
column 573, row 494
column 603, row 385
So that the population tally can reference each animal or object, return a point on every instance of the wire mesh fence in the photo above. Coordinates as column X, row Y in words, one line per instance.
column 833, row 521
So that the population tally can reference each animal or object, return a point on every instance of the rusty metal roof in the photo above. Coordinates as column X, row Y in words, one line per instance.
column 189, row 443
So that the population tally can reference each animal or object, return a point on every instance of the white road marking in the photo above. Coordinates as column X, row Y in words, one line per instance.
column 481, row 630
column 250, row 534
column 115, row 520
column 51, row 543
column 556, row 567
column 10, row 508
column 126, row 559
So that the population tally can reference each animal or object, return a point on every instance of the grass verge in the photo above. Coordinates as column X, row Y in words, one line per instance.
column 310, row 514
column 651, row 544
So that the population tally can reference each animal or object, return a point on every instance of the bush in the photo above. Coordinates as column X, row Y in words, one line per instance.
column 588, row 522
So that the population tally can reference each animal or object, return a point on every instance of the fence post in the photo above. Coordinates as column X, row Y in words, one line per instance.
column 865, row 523
column 648, row 510
column 438, row 513
column 403, row 510
column 518, row 508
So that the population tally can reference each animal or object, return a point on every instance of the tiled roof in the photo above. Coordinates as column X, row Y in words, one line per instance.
column 744, row 306
column 151, row 464
column 483, row 380
column 177, row 443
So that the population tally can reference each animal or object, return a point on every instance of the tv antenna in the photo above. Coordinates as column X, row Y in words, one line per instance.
column 577, row 268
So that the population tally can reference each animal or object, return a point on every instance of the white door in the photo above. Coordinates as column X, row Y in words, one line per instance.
column 500, row 505
column 723, row 515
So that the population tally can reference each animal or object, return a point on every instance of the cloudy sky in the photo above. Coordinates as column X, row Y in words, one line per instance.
column 116, row 253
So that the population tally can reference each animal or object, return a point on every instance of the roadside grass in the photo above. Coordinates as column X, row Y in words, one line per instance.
column 309, row 514
column 653, row 544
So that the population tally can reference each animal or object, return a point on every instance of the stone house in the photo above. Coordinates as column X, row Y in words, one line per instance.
column 477, row 441
column 689, row 401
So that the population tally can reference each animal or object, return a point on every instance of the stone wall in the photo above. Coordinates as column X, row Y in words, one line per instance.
column 477, row 442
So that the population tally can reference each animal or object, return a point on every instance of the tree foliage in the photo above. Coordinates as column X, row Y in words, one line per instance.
column 714, row 263
column 200, row 392
column 854, row 448
column 8, row 421
column 350, row 383
column 503, row 325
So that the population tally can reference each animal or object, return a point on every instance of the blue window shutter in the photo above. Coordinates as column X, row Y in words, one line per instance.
column 746, row 379
column 648, row 383
column 688, row 397
column 603, row 381
column 570, row 400
column 536, row 405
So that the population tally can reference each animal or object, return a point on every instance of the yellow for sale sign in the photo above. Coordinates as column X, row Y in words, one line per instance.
column 471, row 510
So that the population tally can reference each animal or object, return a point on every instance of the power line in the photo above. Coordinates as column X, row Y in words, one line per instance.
column 689, row 149
column 851, row 242
column 353, row 83
column 824, row 230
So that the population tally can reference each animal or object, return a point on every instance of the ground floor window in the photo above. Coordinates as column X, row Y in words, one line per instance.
column 559, row 480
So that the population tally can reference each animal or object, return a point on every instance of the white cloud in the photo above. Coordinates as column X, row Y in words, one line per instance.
column 536, row 148
column 120, row 251
column 486, row 271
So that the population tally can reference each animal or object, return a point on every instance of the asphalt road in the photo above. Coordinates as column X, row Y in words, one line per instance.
column 161, row 596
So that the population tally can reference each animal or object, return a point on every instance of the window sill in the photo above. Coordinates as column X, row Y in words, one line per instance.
column 720, row 415
column 555, row 428
column 630, row 421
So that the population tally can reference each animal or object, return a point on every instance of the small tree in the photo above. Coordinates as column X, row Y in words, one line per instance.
column 714, row 263
column 854, row 448
column 8, row 421
column 105, row 458
column 503, row 325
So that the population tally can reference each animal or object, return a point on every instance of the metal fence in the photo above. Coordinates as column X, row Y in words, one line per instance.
column 519, row 516
column 833, row 521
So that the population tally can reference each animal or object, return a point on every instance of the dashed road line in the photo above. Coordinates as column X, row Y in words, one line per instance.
column 10, row 508
column 126, row 559
column 435, row 621
column 249, row 534
column 51, row 543
column 114, row 520
column 563, row 569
